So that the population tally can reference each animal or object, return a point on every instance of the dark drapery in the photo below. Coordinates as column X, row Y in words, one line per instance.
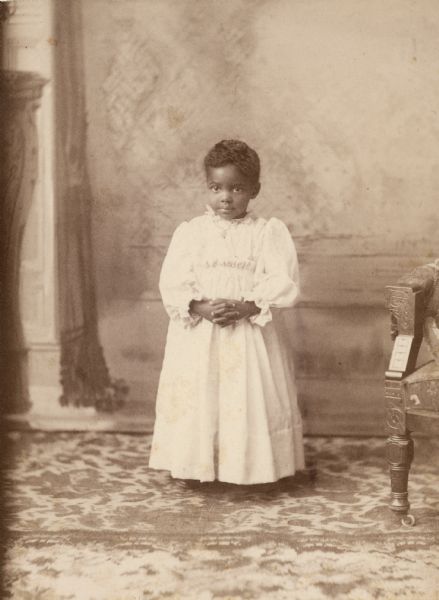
column 20, row 95
column 84, row 374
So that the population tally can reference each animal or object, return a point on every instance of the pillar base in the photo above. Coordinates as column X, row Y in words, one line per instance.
column 47, row 413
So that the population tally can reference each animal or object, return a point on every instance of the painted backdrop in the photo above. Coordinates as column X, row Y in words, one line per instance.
column 339, row 97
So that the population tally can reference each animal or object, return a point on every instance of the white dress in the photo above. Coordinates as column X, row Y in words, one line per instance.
column 227, row 404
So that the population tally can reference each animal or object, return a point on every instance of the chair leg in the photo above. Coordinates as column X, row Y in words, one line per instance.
column 399, row 456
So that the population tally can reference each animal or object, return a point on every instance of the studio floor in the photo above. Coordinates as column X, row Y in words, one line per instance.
column 86, row 519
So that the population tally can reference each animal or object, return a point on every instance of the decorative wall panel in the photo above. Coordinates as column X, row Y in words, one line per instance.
column 341, row 106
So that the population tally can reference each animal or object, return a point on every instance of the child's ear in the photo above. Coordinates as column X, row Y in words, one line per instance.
column 256, row 189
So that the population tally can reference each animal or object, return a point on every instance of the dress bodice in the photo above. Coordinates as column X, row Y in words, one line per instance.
column 251, row 258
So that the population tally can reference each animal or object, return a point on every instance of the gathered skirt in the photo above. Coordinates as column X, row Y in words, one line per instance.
column 227, row 405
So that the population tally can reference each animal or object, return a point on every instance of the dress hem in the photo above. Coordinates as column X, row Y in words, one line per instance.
column 174, row 475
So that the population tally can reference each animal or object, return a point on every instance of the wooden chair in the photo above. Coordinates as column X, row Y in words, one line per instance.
column 412, row 394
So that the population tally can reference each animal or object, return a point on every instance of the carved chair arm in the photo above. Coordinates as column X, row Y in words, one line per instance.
column 420, row 279
column 407, row 308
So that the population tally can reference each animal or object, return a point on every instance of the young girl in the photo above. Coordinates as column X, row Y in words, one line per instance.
column 226, row 405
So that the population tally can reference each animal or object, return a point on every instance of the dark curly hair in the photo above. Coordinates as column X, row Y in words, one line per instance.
column 234, row 152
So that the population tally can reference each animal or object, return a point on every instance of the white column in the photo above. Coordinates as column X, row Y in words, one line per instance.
column 29, row 46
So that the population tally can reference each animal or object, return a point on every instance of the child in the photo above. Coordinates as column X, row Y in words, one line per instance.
column 226, row 405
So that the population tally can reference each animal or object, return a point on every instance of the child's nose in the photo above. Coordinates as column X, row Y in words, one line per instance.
column 226, row 196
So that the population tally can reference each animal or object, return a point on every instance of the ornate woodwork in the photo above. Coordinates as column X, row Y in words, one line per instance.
column 399, row 453
column 410, row 392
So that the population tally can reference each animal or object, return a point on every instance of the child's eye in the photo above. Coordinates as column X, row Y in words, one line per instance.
column 214, row 188
column 237, row 188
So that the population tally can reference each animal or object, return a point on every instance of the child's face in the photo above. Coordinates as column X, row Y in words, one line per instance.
column 229, row 191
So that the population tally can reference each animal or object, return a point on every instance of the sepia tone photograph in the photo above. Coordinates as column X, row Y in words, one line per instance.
column 219, row 299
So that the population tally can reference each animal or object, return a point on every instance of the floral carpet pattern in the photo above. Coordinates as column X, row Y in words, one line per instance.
column 88, row 520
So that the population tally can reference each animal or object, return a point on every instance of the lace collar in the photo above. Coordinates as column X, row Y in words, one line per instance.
column 247, row 219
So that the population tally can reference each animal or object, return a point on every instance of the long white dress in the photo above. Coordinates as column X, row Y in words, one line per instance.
column 227, row 404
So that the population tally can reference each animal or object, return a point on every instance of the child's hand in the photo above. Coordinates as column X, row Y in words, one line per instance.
column 203, row 308
column 226, row 312
column 222, row 311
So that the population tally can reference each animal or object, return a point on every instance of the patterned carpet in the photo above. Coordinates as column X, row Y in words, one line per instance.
column 88, row 520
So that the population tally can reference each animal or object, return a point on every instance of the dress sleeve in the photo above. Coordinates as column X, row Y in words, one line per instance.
column 276, row 283
column 177, row 280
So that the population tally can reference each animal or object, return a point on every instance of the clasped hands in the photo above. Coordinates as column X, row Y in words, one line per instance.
column 223, row 311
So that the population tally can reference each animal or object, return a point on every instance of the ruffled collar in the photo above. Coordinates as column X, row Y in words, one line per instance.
column 247, row 219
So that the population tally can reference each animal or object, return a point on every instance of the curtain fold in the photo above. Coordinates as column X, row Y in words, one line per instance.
column 84, row 374
column 20, row 94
